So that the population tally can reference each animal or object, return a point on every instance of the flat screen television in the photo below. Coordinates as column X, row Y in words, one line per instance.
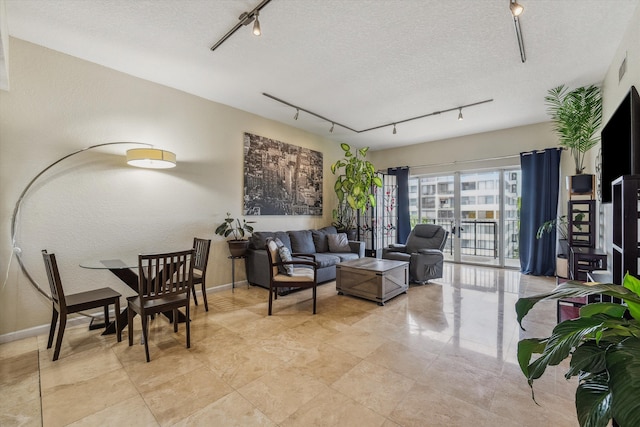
column 620, row 142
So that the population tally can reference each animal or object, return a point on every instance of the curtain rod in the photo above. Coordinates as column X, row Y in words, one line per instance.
column 457, row 162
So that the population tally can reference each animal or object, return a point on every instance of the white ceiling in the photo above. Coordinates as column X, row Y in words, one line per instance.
column 357, row 62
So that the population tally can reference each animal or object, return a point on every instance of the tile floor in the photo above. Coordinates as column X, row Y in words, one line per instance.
column 442, row 355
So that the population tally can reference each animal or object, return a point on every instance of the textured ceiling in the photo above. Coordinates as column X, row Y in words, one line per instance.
column 359, row 63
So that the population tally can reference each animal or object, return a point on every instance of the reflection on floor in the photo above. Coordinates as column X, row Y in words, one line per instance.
column 442, row 355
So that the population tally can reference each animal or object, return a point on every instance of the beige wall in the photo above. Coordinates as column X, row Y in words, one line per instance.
column 468, row 152
column 93, row 204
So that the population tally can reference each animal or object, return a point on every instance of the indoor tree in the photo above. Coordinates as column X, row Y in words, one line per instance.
column 577, row 116
column 355, row 184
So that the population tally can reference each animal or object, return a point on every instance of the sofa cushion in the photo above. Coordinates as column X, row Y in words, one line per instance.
column 347, row 256
column 302, row 242
column 326, row 260
column 320, row 240
column 338, row 242
column 330, row 229
column 284, row 238
column 259, row 239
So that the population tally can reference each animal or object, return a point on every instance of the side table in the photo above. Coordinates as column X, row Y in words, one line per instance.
column 233, row 259
column 583, row 260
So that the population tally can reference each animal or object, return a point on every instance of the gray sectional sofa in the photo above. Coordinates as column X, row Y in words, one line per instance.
column 300, row 241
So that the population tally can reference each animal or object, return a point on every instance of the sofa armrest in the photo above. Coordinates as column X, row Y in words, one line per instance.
column 312, row 257
column 430, row 251
column 357, row 247
column 257, row 267
column 395, row 247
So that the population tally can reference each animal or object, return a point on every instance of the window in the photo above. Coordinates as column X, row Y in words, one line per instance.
column 468, row 186
column 468, row 200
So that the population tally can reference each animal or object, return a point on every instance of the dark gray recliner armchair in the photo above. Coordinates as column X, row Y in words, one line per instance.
column 423, row 251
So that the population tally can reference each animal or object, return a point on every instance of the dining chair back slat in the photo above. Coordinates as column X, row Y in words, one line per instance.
column 200, row 261
column 165, row 283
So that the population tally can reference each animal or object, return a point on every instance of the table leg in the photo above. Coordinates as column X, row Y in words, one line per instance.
column 233, row 274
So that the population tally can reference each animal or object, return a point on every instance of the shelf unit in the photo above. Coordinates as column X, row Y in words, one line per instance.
column 583, row 255
column 582, row 223
column 626, row 217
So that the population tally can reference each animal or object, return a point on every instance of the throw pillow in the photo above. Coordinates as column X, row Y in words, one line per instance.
column 302, row 242
column 285, row 255
column 320, row 241
column 338, row 242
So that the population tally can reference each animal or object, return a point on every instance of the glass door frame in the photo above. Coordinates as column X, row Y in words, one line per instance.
column 457, row 219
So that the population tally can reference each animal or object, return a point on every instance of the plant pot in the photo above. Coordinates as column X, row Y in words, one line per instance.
column 238, row 247
column 564, row 248
column 581, row 184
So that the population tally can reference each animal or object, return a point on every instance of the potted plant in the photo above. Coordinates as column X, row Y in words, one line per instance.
column 603, row 345
column 577, row 116
column 237, row 230
column 355, row 185
column 561, row 225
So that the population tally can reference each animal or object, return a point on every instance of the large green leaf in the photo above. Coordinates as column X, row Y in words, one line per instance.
column 526, row 348
column 574, row 289
column 633, row 284
column 610, row 308
column 623, row 365
column 593, row 401
column 589, row 357
column 565, row 337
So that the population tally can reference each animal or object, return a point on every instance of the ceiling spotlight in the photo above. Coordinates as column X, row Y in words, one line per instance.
column 394, row 129
column 460, row 114
column 332, row 125
column 296, row 116
column 516, row 8
column 256, row 26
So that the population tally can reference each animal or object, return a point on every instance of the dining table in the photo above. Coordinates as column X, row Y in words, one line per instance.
column 125, row 267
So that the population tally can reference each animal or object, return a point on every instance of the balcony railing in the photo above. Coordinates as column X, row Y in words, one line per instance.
column 480, row 237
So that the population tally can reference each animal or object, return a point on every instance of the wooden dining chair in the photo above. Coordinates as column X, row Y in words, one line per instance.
column 164, row 284
column 64, row 305
column 200, row 261
column 296, row 277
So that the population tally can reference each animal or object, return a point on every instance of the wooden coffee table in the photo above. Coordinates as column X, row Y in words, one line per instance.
column 374, row 279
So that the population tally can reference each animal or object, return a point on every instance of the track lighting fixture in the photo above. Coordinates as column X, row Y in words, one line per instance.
column 256, row 25
column 333, row 122
column 516, row 10
column 245, row 19
column 297, row 113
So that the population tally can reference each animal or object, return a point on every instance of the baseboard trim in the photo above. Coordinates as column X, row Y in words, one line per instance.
column 76, row 320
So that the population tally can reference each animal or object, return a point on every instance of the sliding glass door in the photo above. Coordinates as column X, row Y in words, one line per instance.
column 479, row 209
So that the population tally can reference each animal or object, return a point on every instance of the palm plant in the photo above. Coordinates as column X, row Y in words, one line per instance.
column 577, row 116
column 604, row 346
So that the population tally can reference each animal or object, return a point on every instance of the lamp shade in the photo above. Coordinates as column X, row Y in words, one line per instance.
column 152, row 158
